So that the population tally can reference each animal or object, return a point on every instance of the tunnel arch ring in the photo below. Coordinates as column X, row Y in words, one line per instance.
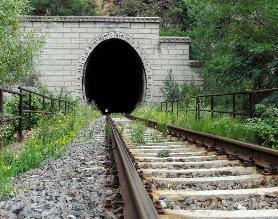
column 80, row 88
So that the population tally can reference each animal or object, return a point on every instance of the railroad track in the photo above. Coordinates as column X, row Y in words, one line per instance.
column 192, row 181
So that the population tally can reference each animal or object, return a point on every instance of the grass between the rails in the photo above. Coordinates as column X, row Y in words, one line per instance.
column 50, row 139
column 223, row 126
column 137, row 133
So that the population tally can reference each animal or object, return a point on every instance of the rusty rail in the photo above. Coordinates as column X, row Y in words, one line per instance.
column 250, row 154
column 249, row 111
column 137, row 203
column 23, row 92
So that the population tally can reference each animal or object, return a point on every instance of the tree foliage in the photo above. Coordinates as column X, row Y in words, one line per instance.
column 63, row 7
column 18, row 50
column 236, row 41
column 172, row 12
column 170, row 88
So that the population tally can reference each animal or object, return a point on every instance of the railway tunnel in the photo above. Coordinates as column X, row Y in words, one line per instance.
column 114, row 77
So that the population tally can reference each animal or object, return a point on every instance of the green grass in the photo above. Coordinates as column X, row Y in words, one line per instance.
column 224, row 126
column 163, row 153
column 137, row 133
column 50, row 139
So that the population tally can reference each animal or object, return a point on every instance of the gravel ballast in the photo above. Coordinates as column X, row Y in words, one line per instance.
column 72, row 186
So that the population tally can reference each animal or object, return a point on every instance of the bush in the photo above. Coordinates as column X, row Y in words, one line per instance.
column 64, row 7
column 170, row 89
column 18, row 49
column 266, row 125
column 163, row 153
column 137, row 133
column 236, row 41
column 173, row 13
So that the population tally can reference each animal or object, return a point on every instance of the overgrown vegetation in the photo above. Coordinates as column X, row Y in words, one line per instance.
column 63, row 7
column 156, row 136
column 50, row 139
column 8, row 129
column 162, row 127
column 260, row 130
column 172, row 12
column 18, row 50
column 236, row 41
column 137, row 133
column 171, row 90
column 266, row 125
column 163, row 153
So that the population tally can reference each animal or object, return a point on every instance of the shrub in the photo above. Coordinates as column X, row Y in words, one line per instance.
column 64, row 7
column 162, row 127
column 137, row 133
column 18, row 49
column 170, row 89
column 163, row 153
column 266, row 125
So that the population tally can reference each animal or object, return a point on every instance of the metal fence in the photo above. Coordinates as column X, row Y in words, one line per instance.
column 28, row 110
column 234, row 104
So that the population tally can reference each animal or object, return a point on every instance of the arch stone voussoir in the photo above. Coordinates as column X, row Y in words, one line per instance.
column 114, row 35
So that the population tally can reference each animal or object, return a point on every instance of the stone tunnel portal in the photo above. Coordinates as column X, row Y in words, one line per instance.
column 115, row 77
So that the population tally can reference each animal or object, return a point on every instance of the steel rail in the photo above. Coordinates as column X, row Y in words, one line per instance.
column 251, row 154
column 137, row 203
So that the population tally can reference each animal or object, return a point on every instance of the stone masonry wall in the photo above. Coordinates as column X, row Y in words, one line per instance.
column 69, row 41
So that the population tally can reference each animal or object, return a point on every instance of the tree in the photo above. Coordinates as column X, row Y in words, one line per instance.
column 236, row 41
column 170, row 89
column 63, row 7
column 172, row 12
column 18, row 50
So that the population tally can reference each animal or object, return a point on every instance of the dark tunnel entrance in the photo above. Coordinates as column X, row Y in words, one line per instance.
column 114, row 77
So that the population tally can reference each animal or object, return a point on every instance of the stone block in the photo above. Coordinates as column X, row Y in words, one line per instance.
column 71, row 35
column 71, row 24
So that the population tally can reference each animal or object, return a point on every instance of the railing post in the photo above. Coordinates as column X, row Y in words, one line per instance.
column 30, row 114
column 52, row 105
column 20, row 113
column 43, row 103
column 251, row 102
column 196, row 108
column 177, row 108
column 186, row 107
column 161, row 106
column 234, row 106
column 59, row 104
column 212, row 106
column 1, row 106
column 172, row 103
column 198, row 115
column 199, row 109
column 65, row 107
column 166, row 107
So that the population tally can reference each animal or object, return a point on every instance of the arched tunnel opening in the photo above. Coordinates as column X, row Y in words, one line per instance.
column 114, row 77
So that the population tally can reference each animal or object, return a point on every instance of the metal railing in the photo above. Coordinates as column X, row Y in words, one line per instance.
column 64, row 106
column 208, row 103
